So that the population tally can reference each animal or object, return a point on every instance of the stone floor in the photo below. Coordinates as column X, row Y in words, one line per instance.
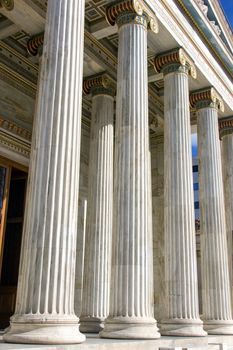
column 165, row 343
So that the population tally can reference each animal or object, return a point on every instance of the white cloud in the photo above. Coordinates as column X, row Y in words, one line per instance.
column 194, row 140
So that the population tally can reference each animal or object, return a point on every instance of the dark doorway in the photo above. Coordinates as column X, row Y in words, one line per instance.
column 11, row 243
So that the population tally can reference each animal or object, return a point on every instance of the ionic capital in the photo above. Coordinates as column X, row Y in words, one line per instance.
column 127, row 11
column 99, row 85
column 7, row 4
column 175, row 60
column 207, row 97
column 225, row 126
column 34, row 43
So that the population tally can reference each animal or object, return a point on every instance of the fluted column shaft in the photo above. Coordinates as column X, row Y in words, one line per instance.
column 131, row 305
column 157, row 168
column 45, row 297
column 180, row 248
column 96, row 289
column 215, row 275
column 227, row 158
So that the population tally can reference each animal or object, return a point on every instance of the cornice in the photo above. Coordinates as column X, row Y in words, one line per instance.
column 219, row 13
column 213, row 44
column 207, row 97
column 225, row 126
column 170, row 61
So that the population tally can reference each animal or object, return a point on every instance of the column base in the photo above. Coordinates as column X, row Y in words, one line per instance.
column 182, row 328
column 219, row 327
column 130, row 328
column 43, row 333
column 91, row 324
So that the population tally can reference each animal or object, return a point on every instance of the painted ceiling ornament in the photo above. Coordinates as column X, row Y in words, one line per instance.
column 131, row 6
column 171, row 60
column 7, row 4
column 207, row 97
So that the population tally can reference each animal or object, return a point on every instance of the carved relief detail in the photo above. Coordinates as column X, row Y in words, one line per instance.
column 99, row 84
column 225, row 126
column 207, row 97
column 137, row 7
column 174, row 60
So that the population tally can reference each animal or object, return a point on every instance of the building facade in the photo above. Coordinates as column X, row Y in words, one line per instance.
column 97, row 221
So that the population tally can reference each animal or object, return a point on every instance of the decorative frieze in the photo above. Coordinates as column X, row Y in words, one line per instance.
column 176, row 59
column 225, row 126
column 7, row 4
column 207, row 97
column 136, row 11
column 15, row 129
column 14, row 144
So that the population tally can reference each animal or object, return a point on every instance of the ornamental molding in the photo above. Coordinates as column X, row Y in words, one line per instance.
column 207, row 97
column 205, row 10
column 15, row 129
column 202, row 6
column 7, row 4
column 17, row 81
column 14, row 138
column 170, row 61
column 225, row 126
column 117, row 9
column 14, row 145
column 99, row 84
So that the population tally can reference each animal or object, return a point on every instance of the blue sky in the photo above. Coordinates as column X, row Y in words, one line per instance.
column 227, row 6
column 194, row 145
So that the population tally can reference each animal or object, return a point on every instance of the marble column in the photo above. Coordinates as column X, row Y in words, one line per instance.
column 157, row 169
column 226, row 134
column 97, row 265
column 44, row 311
column 179, row 224
column 215, row 275
column 131, row 303
column 82, row 217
